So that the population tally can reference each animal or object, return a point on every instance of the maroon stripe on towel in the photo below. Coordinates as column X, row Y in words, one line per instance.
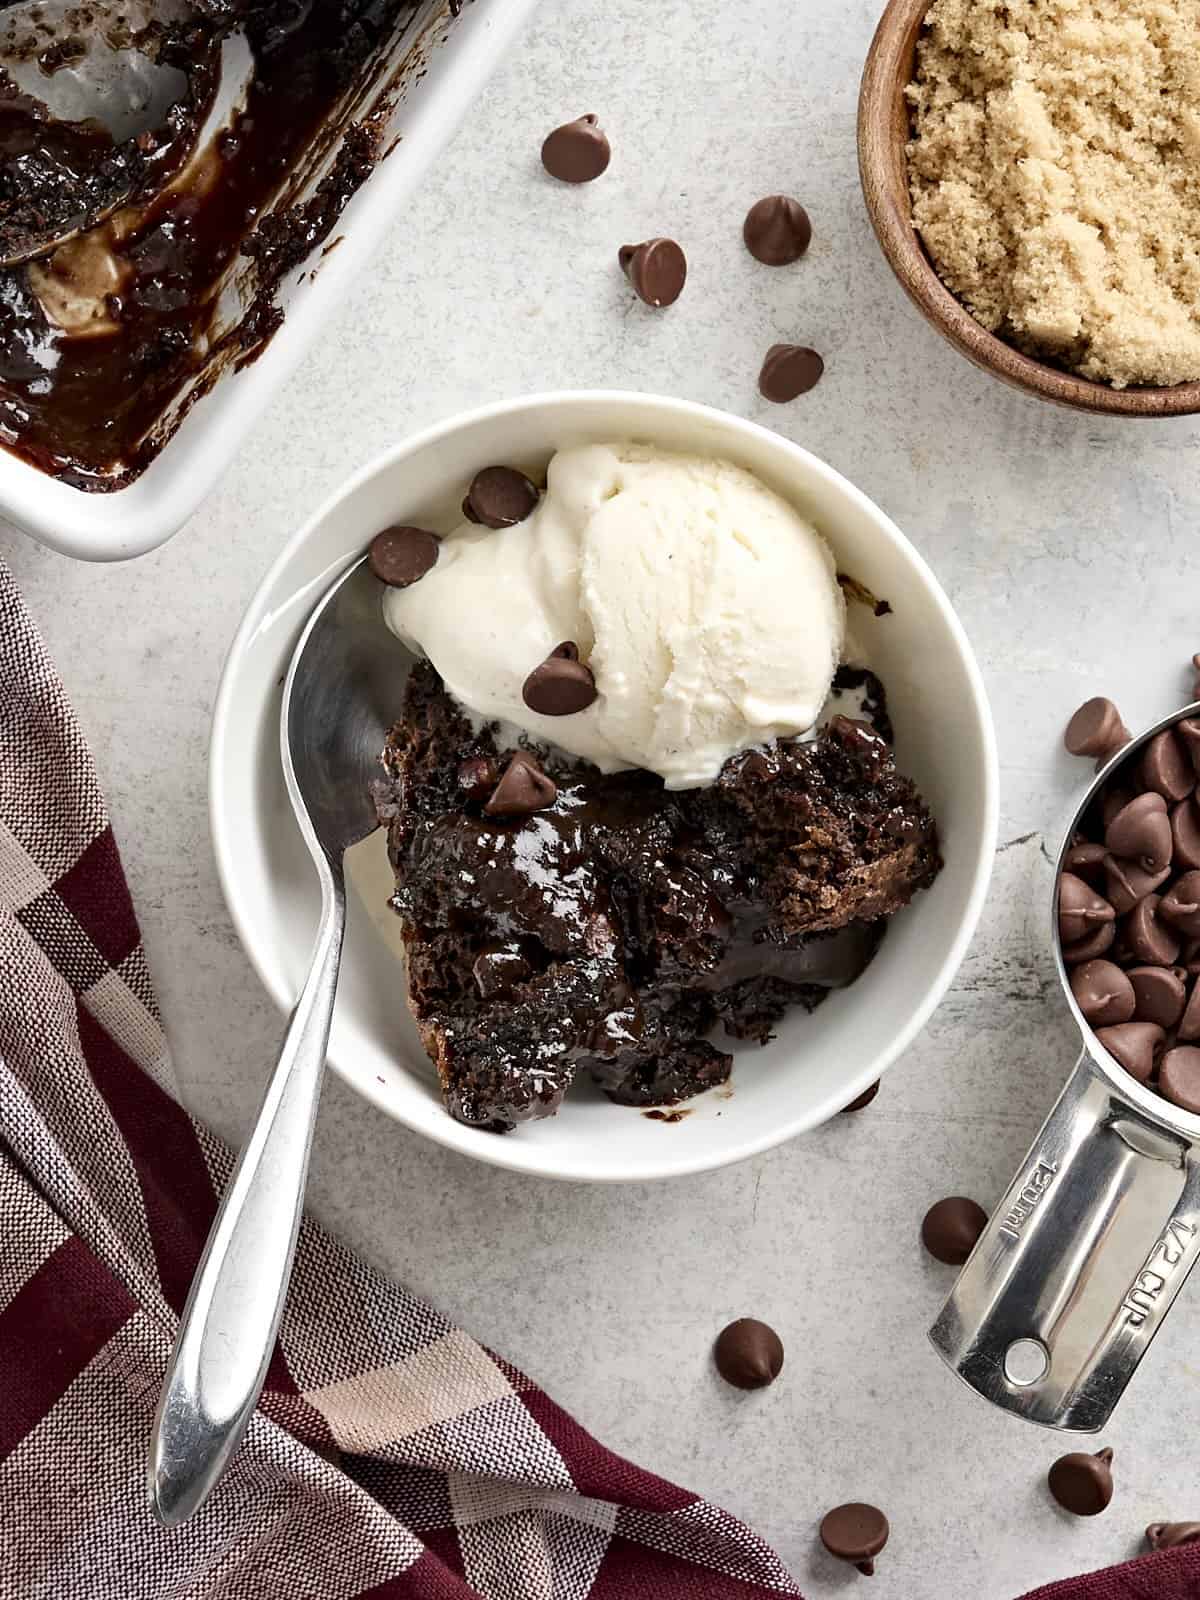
column 176, row 1189
column 57, row 1323
column 95, row 892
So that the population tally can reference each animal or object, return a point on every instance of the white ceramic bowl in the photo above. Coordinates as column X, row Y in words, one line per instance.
column 817, row 1063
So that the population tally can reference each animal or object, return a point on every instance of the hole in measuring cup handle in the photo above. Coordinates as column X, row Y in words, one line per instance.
column 1026, row 1361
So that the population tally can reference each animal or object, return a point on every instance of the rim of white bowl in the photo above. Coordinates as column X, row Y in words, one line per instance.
column 511, row 1152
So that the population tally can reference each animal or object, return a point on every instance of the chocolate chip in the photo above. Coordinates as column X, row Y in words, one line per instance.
column 1082, row 1484
column 1141, row 832
column 1185, row 834
column 500, row 497
column 1096, row 730
column 1135, row 1045
column 951, row 1228
column 1167, row 1535
column 789, row 370
column 863, row 1100
column 399, row 556
column 498, row 970
column 748, row 1354
column 1098, row 943
column 1159, row 994
column 1146, row 936
column 657, row 269
column 1179, row 1077
column 777, row 230
column 1189, row 1022
column 577, row 152
column 1080, row 909
column 1189, row 737
column 1103, row 993
column 523, row 789
column 1125, row 883
column 476, row 777
column 1167, row 767
column 1180, row 905
column 1115, row 798
column 559, row 687
column 1086, row 861
column 855, row 1533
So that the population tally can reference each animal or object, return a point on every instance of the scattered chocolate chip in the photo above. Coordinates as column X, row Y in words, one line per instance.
column 523, row 789
column 476, row 777
column 1141, row 832
column 1135, row 1045
column 498, row 971
column 855, row 1533
column 577, row 152
column 787, row 371
column 399, row 556
column 1167, row 767
column 1096, row 730
column 559, row 687
column 1125, row 883
column 1147, row 937
column 1159, row 994
column 1167, row 1535
column 657, row 269
column 1080, row 909
column 1098, row 943
column 1103, row 993
column 863, row 1100
column 748, row 1354
column 1180, row 905
column 951, row 1228
column 1086, row 861
column 777, row 230
column 1179, row 1077
column 500, row 497
column 1082, row 1484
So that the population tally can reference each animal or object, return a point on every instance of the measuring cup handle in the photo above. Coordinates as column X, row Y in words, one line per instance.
column 1079, row 1263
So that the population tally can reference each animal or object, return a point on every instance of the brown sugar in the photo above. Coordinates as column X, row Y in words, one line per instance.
column 1055, row 177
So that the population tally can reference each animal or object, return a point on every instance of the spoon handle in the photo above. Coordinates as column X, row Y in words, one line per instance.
column 227, row 1331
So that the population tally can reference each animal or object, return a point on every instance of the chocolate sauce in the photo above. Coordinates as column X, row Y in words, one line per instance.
column 94, row 403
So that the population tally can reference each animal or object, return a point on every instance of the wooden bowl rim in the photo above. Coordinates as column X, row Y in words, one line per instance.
column 889, row 66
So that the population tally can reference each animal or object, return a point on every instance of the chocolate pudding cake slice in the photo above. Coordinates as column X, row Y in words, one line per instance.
column 558, row 920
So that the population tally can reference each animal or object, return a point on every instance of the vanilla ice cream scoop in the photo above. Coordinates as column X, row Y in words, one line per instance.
column 706, row 606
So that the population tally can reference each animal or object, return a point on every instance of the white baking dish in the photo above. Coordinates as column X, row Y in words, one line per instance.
column 438, row 68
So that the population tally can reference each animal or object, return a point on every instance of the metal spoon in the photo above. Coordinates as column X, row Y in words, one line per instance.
column 338, row 700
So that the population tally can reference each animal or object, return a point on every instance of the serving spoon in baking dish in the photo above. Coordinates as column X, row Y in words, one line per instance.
column 338, row 699
column 81, row 103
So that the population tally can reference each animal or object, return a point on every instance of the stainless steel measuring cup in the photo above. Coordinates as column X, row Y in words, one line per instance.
column 1082, row 1258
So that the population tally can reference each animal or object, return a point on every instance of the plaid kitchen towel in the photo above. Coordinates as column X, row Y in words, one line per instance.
column 392, row 1457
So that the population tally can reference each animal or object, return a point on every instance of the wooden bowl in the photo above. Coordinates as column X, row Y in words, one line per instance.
column 883, row 133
